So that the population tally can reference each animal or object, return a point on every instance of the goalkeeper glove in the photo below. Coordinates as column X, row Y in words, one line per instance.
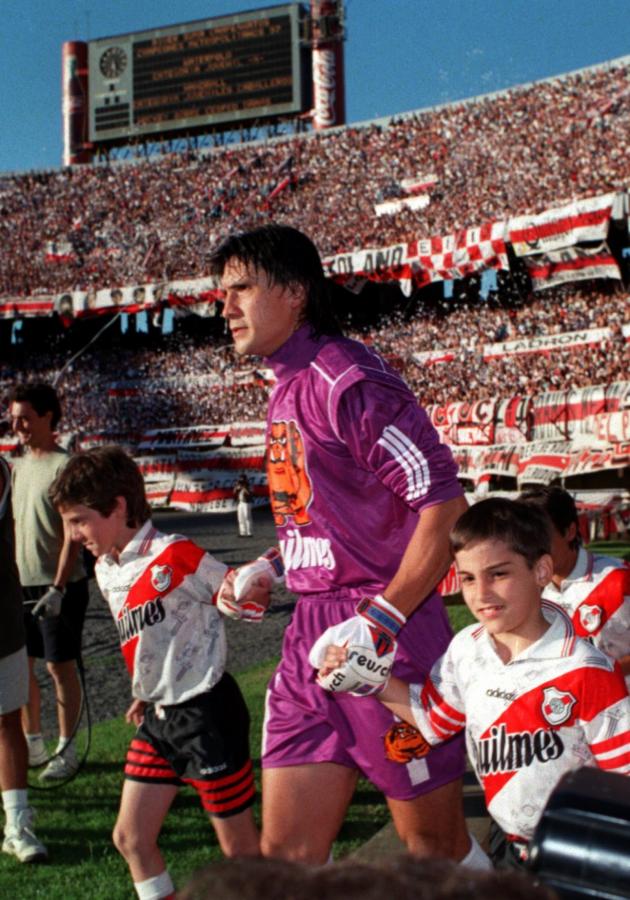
column 370, row 640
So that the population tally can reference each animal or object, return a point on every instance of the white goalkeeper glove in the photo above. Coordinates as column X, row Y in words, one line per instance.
column 235, row 600
column 49, row 604
column 370, row 641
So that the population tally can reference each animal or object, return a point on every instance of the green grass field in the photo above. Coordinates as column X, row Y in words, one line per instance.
column 75, row 822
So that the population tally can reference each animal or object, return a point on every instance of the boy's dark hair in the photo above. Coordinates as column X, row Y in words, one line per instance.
column 559, row 506
column 524, row 529
column 95, row 478
column 289, row 259
column 42, row 397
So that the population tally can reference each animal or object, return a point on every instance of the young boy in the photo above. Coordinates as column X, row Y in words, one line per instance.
column 535, row 700
column 593, row 589
column 165, row 594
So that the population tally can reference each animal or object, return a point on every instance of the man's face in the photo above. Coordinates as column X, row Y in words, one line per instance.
column 99, row 534
column 500, row 589
column 261, row 317
column 32, row 430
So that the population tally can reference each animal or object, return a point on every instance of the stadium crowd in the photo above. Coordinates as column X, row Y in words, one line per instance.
column 129, row 223
column 188, row 381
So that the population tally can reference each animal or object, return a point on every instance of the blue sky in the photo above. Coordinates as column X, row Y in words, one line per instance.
column 400, row 54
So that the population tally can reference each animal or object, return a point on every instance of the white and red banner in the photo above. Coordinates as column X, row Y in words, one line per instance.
column 571, row 264
column 175, row 438
column 184, row 296
column 462, row 253
column 477, row 463
column 513, row 420
column 375, row 264
column 215, row 494
column 419, row 184
column 537, row 462
column 561, row 415
column 564, row 226
column 465, row 423
column 59, row 252
column 412, row 263
column 200, row 465
column 483, row 422
column 431, row 357
column 547, row 343
column 27, row 307
column 391, row 207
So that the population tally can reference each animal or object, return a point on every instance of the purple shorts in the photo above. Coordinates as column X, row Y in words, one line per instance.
column 305, row 724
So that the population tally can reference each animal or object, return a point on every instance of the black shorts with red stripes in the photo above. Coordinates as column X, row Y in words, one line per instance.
column 203, row 742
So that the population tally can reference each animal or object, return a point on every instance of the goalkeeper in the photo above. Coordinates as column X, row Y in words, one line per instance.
column 165, row 594
column 363, row 496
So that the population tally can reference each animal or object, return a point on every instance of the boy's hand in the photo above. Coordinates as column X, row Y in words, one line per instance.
column 135, row 713
column 334, row 658
column 267, row 569
column 252, row 604
column 49, row 604
column 369, row 638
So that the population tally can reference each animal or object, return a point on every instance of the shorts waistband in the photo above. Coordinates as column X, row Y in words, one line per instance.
column 341, row 594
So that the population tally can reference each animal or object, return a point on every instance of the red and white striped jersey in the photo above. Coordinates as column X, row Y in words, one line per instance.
column 560, row 705
column 596, row 597
column 161, row 592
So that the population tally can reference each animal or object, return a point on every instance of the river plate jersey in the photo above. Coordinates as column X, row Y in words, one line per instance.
column 596, row 596
column 560, row 705
column 351, row 460
column 161, row 592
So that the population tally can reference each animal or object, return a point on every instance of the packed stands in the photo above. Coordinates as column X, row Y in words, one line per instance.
column 519, row 151
column 554, row 150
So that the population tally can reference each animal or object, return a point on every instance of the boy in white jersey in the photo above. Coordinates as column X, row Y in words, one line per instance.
column 592, row 589
column 535, row 701
column 166, row 594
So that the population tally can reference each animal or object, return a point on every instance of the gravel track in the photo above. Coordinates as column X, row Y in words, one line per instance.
column 107, row 680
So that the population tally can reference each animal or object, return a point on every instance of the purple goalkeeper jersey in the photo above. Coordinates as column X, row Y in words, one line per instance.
column 352, row 460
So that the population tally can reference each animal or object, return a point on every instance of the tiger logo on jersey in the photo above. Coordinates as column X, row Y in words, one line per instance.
column 289, row 484
column 403, row 743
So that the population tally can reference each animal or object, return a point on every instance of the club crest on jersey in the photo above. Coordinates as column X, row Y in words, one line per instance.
column 161, row 578
column 290, row 487
column 557, row 705
column 590, row 618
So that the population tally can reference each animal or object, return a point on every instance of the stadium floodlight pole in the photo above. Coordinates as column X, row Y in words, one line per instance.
column 80, row 352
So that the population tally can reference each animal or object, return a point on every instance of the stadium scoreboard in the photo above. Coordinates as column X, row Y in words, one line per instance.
column 185, row 78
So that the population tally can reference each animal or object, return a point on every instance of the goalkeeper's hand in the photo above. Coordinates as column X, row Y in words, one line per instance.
column 49, row 605
column 369, row 641
column 246, row 593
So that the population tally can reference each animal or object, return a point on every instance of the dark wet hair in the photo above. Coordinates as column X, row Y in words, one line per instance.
column 289, row 259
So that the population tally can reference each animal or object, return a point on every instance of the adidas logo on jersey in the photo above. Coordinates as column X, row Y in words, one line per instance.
column 503, row 752
column 132, row 621
column 502, row 695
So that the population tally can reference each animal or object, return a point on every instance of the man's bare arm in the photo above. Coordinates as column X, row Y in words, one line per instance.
column 427, row 557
